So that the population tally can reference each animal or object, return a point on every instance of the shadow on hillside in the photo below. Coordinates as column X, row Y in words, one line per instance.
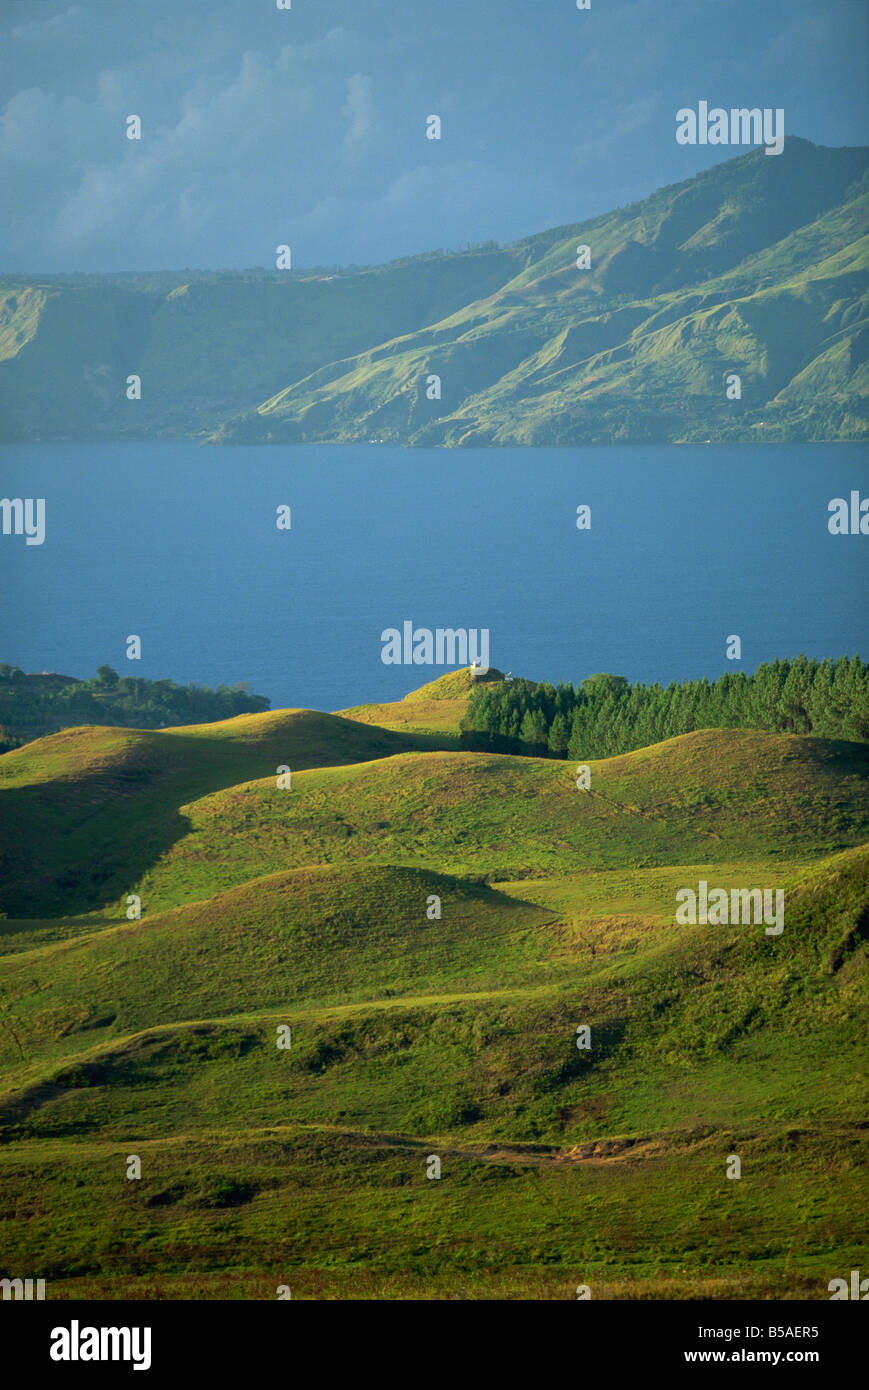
column 62, row 871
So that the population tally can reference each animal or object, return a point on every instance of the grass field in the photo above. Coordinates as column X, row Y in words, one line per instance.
column 434, row 926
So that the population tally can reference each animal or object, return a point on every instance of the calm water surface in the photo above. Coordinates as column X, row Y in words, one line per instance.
column 178, row 544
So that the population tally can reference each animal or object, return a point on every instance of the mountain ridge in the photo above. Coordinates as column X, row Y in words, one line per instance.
column 754, row 267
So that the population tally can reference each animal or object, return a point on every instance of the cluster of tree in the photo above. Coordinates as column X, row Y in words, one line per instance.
column 33, row 705
column 606, row 715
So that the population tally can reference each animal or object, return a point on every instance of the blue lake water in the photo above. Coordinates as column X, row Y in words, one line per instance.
column 178, row 544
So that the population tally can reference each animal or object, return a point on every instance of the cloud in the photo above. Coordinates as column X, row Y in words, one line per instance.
column 45, row 30
column 45, row 134
column 25, row 121
column 359, row 111
column 425, row 207
column 221, row 162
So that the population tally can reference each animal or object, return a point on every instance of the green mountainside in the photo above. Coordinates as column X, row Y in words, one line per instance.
column 755, row 267
column 433, row 926
column 206, row 346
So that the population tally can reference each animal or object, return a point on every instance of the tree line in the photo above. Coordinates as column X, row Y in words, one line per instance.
column 33, row 705
column 605, row 715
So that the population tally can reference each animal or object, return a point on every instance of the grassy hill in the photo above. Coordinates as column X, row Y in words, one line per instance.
column 334, row 935
column 716, row 794
column 434, row 709
column 416, row 1034
column 122, row 789
column 177, row 813
column 756, row 266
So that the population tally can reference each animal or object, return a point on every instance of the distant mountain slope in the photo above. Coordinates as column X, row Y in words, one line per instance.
column 747, row 269
column 755, row 267
column 205, row 345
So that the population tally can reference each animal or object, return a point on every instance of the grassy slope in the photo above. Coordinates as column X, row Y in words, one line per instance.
column 334, row 935
column 558, row 1166
column 62, row 793
column 434, row 709
column 413, row 1036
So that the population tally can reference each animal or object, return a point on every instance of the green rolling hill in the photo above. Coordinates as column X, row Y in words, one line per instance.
column 416, row 1034
column 717, row 793
column 755, row 267
column 122, row 789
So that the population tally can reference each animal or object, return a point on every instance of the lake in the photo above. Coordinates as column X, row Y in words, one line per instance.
column 179, row 544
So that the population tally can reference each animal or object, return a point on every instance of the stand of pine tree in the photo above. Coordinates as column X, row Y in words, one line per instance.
column 605, row 715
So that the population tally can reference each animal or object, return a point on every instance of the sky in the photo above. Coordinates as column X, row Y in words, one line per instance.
column 307, row 126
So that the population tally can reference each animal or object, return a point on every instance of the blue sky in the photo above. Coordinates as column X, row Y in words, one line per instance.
column 307, row 126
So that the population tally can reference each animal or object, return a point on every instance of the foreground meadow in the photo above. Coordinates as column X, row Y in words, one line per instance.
column 433, row 927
